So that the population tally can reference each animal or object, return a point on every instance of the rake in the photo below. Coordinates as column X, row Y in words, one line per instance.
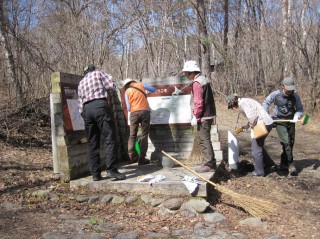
column 304, row 120
column 254, row 206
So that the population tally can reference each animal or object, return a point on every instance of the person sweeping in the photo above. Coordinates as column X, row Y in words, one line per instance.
column 287, row 106
column 255, row 114
column 204, row 111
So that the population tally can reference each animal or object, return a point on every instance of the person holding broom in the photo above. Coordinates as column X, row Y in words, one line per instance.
column 255, row 114
column 204, row 111
column 287, row 106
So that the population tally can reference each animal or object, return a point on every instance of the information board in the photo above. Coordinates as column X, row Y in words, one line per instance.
column 72, row 119
column 170, row 104
column 170, row 109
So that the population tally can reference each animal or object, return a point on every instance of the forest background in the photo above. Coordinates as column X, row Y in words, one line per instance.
column 243, row 46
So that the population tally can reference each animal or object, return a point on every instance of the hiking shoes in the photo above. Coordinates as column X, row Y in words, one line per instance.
column 116, row 174
column 132, row 158
column 293, row 170
column 272, row 169
column 283, row 171
column 96, row 177
column 254, row 174
column 143, row 161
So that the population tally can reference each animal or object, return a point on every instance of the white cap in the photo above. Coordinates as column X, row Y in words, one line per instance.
column 191, row 66
column 128, row 80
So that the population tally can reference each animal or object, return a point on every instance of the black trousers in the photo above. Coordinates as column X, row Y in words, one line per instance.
column 98, row 119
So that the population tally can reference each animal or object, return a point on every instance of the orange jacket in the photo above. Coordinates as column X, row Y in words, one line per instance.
column 137, row 100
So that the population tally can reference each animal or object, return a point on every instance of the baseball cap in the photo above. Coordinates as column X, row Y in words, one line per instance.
column 231, row 97
column 288, row 83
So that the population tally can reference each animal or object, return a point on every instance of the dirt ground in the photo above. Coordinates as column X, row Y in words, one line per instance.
column 26, row 166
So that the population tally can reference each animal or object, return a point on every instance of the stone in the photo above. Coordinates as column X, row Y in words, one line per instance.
column 146, row 199
column 131, row 199
column 117, row 200
column 253, row 222
column 107, row 198
column 157, row 201
column 213, row 217
column 93, row 199
column 173, row 203
column 199, row 205
column 82, row 198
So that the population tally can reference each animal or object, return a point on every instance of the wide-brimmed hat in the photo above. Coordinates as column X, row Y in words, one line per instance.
column 288, row 83
column 191, row 66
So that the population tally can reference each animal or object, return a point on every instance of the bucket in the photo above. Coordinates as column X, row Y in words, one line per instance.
column 167, row 162
column 137, row 147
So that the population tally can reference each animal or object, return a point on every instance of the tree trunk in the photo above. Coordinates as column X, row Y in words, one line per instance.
column 285, row 16
column 203, row 39
column 226, row 25
column 9, row 57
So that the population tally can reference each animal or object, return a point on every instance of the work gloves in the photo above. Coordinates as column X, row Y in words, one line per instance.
column 295, row 119
column 194, row 121
column 246, row 127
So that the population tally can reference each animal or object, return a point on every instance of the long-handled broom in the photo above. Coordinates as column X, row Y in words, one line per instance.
column 254, row 206
column 304, row 120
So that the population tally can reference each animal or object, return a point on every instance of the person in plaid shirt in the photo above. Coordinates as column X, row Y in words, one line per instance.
column 93, row 92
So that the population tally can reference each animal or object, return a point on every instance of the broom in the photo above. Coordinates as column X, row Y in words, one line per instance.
column 304, row 120
column 196, row 156
column 238, row 130
column 254, row 206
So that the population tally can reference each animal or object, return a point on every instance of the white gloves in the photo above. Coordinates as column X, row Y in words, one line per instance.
column 194, row 121
column 251, row 133
column 295, row 119
column 246, row 127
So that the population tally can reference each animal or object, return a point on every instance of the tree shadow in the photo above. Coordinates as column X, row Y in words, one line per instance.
column 25, row 186
column 302, row 164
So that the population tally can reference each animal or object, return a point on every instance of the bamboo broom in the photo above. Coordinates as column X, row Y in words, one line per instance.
column 254, row 206
column 196, row 156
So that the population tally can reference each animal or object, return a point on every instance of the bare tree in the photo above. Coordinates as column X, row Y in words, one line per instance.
column 11, row 68
column 203, row 38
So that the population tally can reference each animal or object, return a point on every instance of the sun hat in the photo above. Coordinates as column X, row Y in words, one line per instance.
column 288, row 83
column 191, row 66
